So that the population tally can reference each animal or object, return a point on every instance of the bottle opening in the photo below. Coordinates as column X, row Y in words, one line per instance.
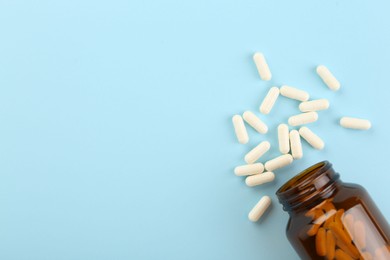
column 316, row 182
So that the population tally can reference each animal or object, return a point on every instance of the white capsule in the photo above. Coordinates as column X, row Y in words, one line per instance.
column 269, row 100
column 296, row 145
column 303, row 118
column 249, row 169
column 255, row 122
column 278, row 162
column 239, row 128
column 257, row 152
column 262, row 66
column 310, row 137
column 283, row 137
column 259, row 209
column 355, row 123
column 314, row 105
column 294, row 93
column 259, row 179
column 328, row 78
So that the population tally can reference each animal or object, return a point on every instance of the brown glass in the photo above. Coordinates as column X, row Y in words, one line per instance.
column 330, row 219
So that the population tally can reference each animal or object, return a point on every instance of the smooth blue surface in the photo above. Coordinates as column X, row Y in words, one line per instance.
column 116, row 135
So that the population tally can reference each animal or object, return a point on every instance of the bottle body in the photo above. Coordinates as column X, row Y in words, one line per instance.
column 330, row 219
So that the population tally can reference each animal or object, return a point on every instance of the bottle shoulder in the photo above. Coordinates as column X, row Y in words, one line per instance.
column 350, row 194
column 353, row 187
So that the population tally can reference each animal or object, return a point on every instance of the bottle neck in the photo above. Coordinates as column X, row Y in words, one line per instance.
column 309, row 188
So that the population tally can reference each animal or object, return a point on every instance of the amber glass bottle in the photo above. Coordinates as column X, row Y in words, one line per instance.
column 330, row 219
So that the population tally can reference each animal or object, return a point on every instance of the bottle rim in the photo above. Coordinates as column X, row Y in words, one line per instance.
column 317, row 181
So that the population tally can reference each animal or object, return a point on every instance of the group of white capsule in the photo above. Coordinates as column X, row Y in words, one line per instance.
column 289, row 141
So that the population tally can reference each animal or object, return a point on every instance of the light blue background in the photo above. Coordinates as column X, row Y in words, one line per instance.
column 116, row 135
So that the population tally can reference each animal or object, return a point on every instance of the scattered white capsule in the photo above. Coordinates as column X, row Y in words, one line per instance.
column 294, row 93
column 278, row 162
column 259, row 209
column 257, row 152
column 314, row 105
column 255, row 122
column 303, row 118
column 249, row 169
column 310, row 137
column 283, row 137
column 328, row 78
column 296, row 145
column 259, row 179
column 355, row 123
column 262, row 66
column 239, row 128
column 269, row 100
